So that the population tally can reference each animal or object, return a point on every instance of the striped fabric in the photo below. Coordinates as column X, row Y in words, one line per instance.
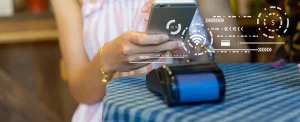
column 254, row 93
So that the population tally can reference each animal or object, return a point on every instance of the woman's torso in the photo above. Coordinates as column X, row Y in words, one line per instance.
column 104, row 20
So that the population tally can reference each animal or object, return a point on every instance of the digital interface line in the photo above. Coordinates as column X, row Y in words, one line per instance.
column 235, row 49
column 261, row 42
column 260, row 49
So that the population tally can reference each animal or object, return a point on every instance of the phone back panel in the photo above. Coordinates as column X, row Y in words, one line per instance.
column 171, row 19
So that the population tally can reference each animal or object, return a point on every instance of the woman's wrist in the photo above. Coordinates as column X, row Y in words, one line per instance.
column 107, row 69
column 107, row 63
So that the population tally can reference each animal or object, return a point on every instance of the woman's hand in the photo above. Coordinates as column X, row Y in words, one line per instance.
column 118, row 54
column 147, row 8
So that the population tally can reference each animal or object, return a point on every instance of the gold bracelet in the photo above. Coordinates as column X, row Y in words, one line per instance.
column 104, row 75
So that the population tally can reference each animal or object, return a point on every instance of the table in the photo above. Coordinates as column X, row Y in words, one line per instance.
column 254, row 93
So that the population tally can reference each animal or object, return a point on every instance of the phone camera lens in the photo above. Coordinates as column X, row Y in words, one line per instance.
column 161, row 5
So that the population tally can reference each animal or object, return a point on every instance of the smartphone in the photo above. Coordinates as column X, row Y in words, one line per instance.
column 171, row 17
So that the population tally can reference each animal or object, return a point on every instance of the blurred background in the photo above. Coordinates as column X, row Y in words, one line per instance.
column 32, row 77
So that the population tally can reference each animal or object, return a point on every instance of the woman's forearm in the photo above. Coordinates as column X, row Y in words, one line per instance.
column 86, row 85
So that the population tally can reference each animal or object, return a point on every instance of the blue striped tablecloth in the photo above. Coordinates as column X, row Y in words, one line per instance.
column 254, row 93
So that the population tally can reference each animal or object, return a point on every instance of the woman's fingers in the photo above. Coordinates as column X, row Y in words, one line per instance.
column 147, row 6
column 141, row 60
column 178, row 52
column 144, row 39
column 168, row 46
column 146, row 17
column 144, row 57
column 146, row 9
column 140, row 43
column 136, row 49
